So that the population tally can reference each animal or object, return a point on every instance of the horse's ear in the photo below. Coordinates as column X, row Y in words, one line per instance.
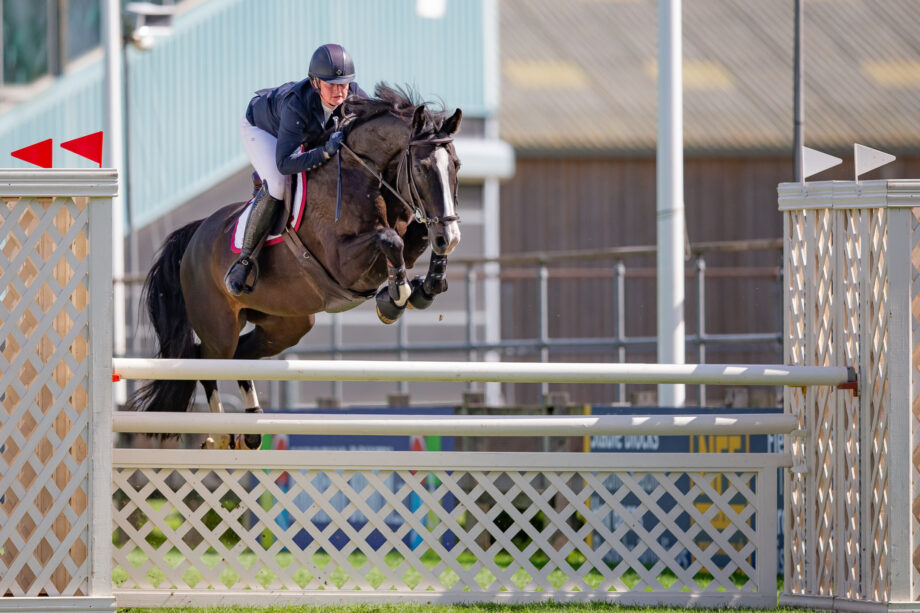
column 418, row 119
column 452, row 124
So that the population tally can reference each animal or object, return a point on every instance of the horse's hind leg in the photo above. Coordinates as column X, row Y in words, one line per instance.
column 218, row 327
column 270, row 336
column 391, row 300
column 224, row 441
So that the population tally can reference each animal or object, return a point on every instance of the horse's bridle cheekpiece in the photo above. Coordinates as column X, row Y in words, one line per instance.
column 406, row 163
column 415, row 208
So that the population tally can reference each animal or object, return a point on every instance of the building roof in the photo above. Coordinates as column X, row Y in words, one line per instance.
column 580, row 76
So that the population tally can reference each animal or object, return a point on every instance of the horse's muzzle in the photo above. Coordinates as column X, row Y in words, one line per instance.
column 444, row 238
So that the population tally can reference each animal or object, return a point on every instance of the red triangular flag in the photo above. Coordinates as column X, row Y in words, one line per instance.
column 38, row 154
column 89, row 146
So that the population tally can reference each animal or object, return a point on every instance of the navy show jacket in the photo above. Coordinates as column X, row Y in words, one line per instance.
column 293, row 113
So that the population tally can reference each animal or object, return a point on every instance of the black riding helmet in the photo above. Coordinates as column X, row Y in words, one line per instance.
column 332, row 64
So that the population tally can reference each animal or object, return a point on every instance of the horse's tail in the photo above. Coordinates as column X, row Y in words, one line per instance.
column 166, row 309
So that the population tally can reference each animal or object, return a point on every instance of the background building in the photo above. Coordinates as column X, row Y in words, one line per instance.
column 579, row 107
column 570, row 86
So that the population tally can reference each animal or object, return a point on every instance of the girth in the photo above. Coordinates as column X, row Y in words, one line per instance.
column 336, row 298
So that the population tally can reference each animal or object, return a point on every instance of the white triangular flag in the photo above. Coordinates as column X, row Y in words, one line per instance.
column 814, row 162
column 866, row 159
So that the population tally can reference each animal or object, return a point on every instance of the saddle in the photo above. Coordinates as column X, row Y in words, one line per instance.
column 295, row 201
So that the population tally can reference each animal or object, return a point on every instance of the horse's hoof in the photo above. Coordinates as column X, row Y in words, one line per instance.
column 209, row 443
column 387, row 311
column 419, row 299
column 385, row 318
column 224, row 441
column 252, row 441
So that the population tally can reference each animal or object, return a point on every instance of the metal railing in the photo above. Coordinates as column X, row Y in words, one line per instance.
column 542, row 266
column 538, row 265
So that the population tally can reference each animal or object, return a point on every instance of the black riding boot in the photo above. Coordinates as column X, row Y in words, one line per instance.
column 259, row 223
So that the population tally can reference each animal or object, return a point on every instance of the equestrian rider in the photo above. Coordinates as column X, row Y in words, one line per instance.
column 277, row 122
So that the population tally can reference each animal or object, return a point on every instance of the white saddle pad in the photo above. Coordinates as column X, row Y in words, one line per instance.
column 299, row 203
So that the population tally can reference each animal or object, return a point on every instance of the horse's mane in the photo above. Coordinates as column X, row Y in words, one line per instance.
column 398, row 101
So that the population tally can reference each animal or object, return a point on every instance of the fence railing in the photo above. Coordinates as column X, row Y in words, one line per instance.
column 471, row 274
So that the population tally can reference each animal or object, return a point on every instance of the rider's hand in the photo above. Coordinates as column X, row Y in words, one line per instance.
column 335, row 141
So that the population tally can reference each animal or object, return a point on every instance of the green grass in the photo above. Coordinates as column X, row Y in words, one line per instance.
column 375, row 576
column 594, row 607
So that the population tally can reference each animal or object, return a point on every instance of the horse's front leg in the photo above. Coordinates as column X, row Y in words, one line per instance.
column 434, row 282
column 392, row 298
column 221, row 327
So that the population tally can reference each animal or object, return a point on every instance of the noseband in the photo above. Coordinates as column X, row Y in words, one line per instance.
column 414, row 202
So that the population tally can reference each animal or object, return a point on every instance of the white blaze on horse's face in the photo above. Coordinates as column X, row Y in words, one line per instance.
column 452, row 229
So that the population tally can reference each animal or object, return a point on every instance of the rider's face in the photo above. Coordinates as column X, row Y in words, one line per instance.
column 332, row 95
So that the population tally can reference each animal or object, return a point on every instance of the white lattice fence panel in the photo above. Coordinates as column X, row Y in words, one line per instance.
column 873, row 302
column 456, row 526
column 849, row 244
column 44, row 339
column 820, row 313
column 811, row 340
column 915, row 387
column 796, row 287
column 877, row 398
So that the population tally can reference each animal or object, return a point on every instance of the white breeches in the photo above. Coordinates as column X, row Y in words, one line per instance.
column 260, row 148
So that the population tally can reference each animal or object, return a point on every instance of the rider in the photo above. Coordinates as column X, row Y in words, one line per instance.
column 277, row 122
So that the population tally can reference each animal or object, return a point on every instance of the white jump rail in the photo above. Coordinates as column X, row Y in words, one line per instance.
column 448, row 425
column 510, row 372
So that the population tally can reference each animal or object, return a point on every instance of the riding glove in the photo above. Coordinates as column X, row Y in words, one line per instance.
column 312, row 159
column 334, row 143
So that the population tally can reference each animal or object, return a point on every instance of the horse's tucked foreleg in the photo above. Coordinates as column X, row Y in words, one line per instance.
column 251, row 402
column 392, row 299
column 425, row 288
column 224, row 441
column 398, row 284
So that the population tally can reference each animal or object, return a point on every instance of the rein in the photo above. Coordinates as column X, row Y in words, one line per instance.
column 416, row 207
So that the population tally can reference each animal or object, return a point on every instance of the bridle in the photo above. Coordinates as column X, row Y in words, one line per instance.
column 414, row 203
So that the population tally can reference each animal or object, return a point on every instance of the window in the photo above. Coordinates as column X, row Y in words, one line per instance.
column 83, row 27
column 41, row 36
column 25, row 40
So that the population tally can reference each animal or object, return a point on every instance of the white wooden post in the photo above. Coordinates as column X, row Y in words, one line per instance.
column 55, row 390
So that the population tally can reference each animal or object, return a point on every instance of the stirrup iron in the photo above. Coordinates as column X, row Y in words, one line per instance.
column 234, row 282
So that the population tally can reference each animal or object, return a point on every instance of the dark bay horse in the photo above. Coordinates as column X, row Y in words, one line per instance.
column 398, row 183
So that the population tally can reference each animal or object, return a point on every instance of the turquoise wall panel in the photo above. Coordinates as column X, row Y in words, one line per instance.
column 73, row 107
column 185, row 97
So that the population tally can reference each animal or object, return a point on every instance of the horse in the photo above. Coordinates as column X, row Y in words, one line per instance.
column 367, row 217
